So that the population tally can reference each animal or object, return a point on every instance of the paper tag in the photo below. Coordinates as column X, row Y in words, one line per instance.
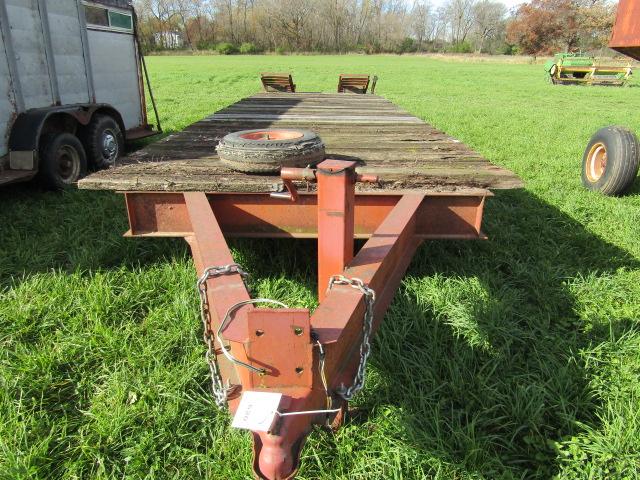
column 256, row 411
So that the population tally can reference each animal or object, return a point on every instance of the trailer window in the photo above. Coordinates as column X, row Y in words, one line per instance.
column 120, row 20
column 103, row 17
column 97, row 16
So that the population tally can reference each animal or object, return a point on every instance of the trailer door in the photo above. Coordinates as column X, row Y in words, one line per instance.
column 29, row 49
column 114, row 61
column 66, row 45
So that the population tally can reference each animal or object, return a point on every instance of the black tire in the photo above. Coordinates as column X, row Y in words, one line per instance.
column 251, row 151
column 62, row 160
column 610, row 161
column 103, row 141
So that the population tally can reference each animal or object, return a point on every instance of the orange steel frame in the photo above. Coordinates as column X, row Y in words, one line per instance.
column 284, row 341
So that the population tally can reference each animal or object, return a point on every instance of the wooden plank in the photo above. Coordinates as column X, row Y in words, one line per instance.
column 405, row 151
column 331, row 119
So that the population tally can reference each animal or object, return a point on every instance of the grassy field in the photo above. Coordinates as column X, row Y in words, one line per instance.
column 514, row 358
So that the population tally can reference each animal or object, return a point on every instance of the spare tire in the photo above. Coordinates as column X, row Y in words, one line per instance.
column 267, row 150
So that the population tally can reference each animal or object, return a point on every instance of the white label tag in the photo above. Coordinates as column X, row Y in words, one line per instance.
column 256, row 411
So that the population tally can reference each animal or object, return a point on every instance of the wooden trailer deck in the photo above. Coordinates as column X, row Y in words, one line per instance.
column 404, row 151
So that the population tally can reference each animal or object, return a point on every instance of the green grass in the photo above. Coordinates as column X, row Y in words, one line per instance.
column 517, row 358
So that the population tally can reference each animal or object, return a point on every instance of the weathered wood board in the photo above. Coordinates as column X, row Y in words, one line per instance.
column 406, row 153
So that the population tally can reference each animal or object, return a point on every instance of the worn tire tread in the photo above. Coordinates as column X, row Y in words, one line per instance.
column 88, row 137
column 623, row 160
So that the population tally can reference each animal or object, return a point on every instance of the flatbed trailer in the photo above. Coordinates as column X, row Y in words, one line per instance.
column 428, row 186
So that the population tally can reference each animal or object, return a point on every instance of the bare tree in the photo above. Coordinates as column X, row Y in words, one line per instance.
column 420, row 21
column 460, row 13
column 325, row 25
column 488, row 21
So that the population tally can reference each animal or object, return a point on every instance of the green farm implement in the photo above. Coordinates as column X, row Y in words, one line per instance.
column 572, row 68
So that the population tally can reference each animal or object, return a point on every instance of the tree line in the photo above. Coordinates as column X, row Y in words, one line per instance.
column 374, row 26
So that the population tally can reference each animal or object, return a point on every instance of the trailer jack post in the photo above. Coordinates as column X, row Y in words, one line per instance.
column 336, row 209
column 336, row 200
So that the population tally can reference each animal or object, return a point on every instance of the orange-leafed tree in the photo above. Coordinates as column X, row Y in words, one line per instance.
column 545, row 26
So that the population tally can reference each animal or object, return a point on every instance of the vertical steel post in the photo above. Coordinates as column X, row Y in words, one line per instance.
column 336, row 200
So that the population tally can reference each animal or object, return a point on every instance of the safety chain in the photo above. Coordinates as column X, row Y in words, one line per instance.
column 365, row 347
column 220, row 392
column 322, row 356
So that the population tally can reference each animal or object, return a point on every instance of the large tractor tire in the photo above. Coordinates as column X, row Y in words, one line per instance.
column 267, row 150
column 610, row 161
column 62, row 160
column 103, row 140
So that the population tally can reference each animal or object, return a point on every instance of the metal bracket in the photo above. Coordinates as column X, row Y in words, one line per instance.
column 280, row 343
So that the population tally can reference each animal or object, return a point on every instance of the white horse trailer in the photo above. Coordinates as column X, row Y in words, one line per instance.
column 71, row 87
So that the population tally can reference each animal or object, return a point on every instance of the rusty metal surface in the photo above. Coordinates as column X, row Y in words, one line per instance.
column 282, row 346
column 209, row 249
column 164, row 214
column 625, row 37
column 142, row 131
column 280, row 342
column 336, row 204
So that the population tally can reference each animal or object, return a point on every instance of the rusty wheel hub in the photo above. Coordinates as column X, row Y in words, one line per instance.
column 596, row 162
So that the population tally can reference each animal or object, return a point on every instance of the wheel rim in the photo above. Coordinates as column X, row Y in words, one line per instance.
column 596, row 162
column 67, row 161
column 272, row 135
column 109, row 146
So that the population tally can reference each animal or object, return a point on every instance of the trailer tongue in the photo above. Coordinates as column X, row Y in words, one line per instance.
column 291, row 367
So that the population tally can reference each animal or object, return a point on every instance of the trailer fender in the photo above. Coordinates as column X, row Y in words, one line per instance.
column 28, row 127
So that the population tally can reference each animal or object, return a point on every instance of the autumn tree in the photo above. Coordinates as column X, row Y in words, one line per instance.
column 547, row 26
column 596, row 19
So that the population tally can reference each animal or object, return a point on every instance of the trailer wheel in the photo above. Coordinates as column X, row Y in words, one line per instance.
column 610, row 161
column 267, row 150
column 103, row 140
column 62, row 160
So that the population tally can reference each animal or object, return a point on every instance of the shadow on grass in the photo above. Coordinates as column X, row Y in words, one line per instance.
column 480, row 351
column 69, row 231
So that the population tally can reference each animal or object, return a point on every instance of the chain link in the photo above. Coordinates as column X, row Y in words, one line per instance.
column 220, row 392
column 367, row 325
